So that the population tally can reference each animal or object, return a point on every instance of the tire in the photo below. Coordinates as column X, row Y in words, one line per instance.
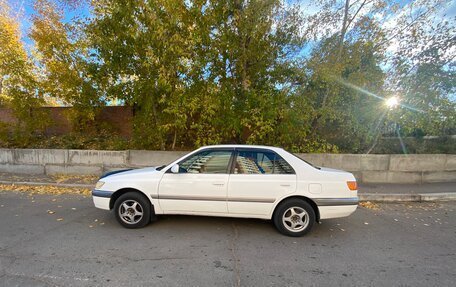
column 294, row 217
column 132, row 210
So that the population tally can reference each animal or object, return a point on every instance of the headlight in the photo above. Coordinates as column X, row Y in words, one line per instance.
column 99, row 184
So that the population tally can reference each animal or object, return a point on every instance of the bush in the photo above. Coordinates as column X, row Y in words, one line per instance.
column 421, row 145
column 100, row 141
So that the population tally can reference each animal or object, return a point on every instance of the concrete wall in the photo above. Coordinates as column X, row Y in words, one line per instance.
column 417, row 168
column 373, row 168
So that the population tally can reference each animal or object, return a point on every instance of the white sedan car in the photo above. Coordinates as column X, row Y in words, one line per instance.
column 231, row 180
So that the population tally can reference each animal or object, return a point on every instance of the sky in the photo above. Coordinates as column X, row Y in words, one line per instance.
column 23, row 11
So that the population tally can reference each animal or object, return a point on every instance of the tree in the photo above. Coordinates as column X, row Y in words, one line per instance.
column 254, row 42
column 343, row 93
column 66, row 72
column 15, row 68
column 208, row 72
column 17, row 78
column 426, row 80
column 345, row 80
column 368, row 30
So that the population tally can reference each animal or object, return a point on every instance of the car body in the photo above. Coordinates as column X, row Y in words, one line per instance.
column 234, row 181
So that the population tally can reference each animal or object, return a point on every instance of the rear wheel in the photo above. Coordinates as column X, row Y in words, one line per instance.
column 294, row 217
column 132, row 210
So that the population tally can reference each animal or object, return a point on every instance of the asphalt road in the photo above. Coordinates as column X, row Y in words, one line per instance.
column 78, row 245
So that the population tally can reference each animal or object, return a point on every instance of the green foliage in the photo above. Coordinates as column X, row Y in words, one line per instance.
column 210, row 70
column 342, row 111
column 427, row 79
column 353, row 69
column 66, row 72
column 17, row 79
column 243, row 71
column 439, row 145
column 101, row 141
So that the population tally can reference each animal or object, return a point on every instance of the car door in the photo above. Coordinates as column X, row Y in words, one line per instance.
column 258, row 178
column 201, row 184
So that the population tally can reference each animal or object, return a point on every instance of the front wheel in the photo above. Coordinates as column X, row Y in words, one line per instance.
column 132, row 210
column 294, row 217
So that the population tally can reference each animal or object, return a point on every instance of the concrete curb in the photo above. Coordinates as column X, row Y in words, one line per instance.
column 374, row 197
column 397, row 197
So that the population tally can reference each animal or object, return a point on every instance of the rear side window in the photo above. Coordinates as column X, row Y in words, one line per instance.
column 261, row 162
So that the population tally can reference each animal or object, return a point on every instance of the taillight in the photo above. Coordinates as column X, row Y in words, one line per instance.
column 352, row 185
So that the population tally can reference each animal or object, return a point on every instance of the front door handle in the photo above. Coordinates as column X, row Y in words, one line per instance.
column 285, row 185
column 218, row 183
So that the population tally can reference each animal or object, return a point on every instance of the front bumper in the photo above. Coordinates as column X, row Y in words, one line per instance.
column 101, row 198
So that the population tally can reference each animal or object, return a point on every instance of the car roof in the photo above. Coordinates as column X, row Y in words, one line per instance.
column 241, row 146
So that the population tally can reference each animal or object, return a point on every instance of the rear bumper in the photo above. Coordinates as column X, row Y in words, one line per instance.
column 327, row 212
column 101, row 199
column 336, row 207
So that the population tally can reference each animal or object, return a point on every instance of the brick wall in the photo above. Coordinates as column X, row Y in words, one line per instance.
column 117, row 117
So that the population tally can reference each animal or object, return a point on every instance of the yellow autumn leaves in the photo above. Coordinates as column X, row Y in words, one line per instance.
column 369, row 205
column 66, row 178
column 45, row 189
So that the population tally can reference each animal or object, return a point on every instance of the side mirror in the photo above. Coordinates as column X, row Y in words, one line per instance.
column 175, row 168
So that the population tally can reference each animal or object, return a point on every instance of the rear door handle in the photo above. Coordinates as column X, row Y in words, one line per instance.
column 218, row 183
column 285, row 185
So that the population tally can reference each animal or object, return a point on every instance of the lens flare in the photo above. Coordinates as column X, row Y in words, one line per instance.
column 392, row 102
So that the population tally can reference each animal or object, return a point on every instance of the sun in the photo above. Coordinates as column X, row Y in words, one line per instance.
column 392, row 102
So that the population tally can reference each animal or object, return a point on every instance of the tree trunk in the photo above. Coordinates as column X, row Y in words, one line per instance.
column 174, row 140
column 156, row 119
column 344, row 28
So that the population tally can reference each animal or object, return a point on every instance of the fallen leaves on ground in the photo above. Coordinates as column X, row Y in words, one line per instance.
column 65, row 178
column 369, row 205
column 45, row 189
column 427, row 206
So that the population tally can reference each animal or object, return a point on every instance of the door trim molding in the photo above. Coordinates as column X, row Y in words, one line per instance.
column 214, row 198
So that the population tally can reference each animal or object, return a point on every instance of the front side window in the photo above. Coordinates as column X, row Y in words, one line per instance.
column 261, row 162
column 215, row 161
